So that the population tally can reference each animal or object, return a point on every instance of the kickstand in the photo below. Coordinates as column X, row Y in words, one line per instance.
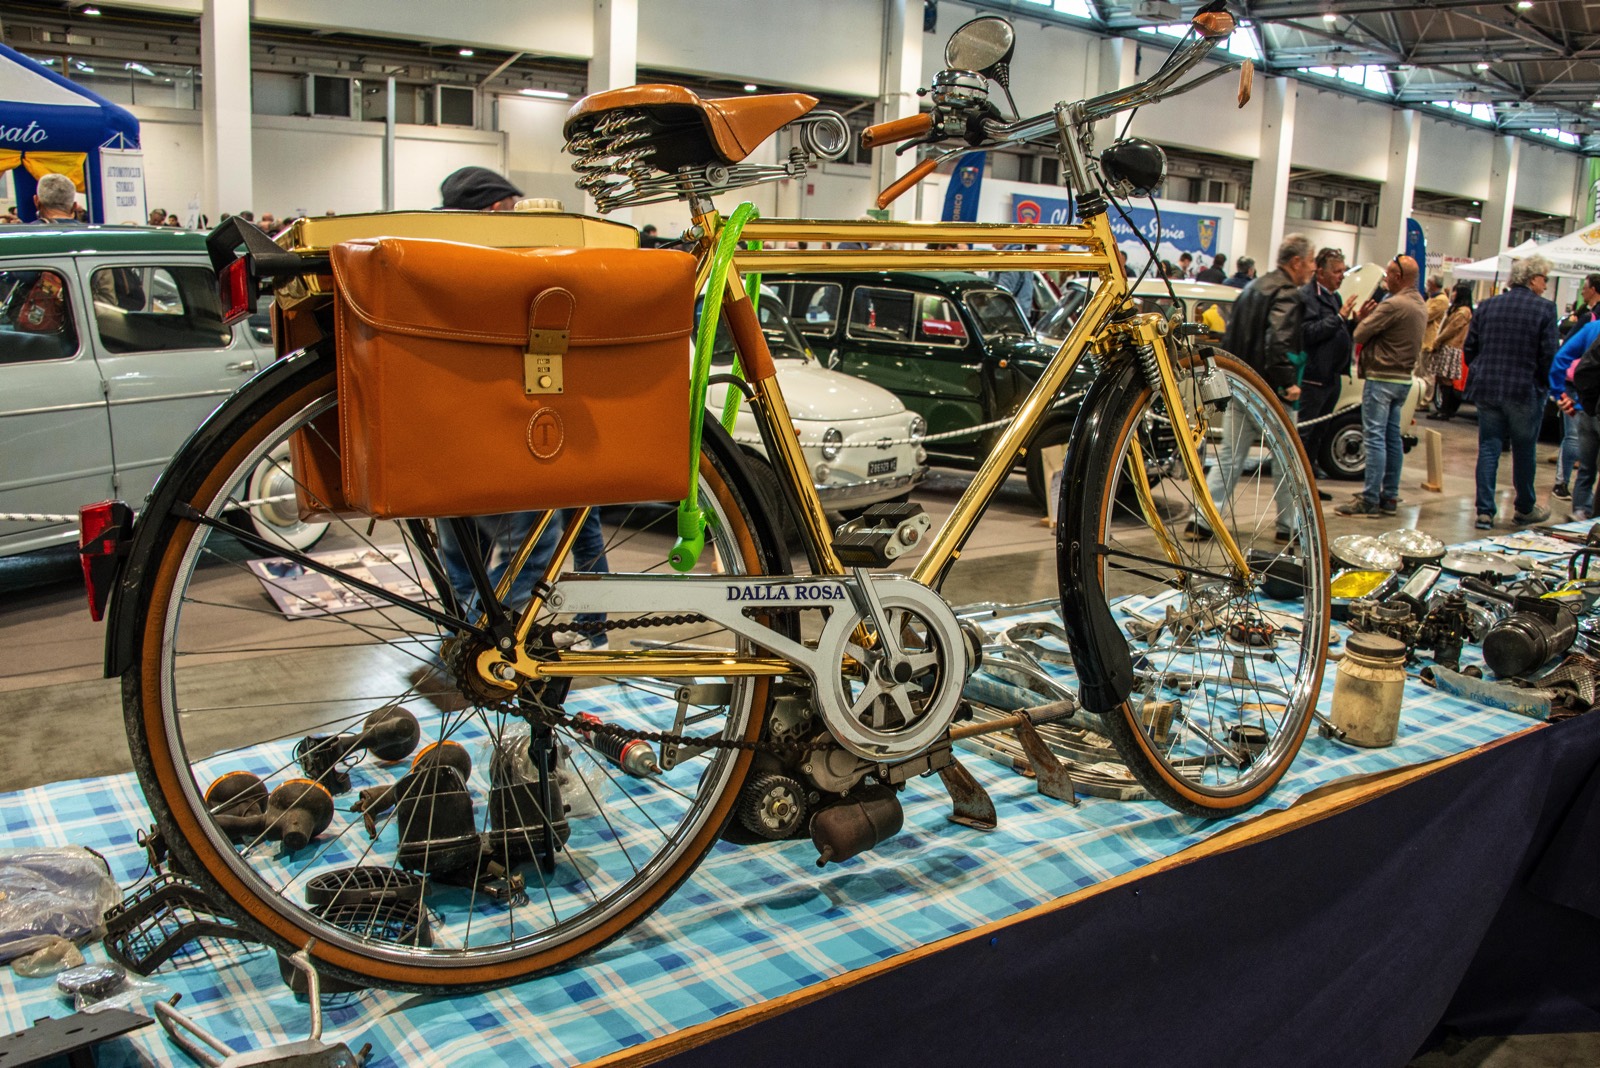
column 969, row 801
column 184, row 1032
column 1054, row 777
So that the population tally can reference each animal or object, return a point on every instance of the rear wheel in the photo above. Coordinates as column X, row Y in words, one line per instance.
column 239, row 660
column 1225, row 673
column 1343, row 453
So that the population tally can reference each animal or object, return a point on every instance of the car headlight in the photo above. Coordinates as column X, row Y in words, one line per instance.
column 919, row 428
column 832, row 442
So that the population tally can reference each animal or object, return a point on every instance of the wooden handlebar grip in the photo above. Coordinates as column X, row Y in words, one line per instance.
column 906, row 181
column 886, row 133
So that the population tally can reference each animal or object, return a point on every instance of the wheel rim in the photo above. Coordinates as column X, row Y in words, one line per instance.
column 635, row 839
column 1226, row 689
column 1349, row 450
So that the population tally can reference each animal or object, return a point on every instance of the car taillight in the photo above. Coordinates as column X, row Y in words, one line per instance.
column 237, row 288
column 103, row 533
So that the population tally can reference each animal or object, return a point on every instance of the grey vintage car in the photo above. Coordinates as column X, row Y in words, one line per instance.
column 112, row 351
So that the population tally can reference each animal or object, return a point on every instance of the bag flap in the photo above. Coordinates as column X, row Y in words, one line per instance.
column 443, row 289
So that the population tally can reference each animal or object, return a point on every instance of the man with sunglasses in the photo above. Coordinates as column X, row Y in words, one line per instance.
column 1390, row 336
column 1509, row 346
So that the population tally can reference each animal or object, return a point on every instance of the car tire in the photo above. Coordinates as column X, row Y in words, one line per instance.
column 278, row 520
column 1343, row 453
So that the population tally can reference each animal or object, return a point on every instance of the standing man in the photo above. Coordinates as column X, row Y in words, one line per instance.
column 1390, row 334
column 1327, row 340
column 1567, row 459
column 1185, row 266
column 1265, row 328
column 1243, row 271
column 57, row 201
column 1509, row 347
column 1215, row 273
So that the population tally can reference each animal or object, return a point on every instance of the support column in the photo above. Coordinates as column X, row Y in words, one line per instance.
column 1399, row 188
column 898, row 83
column 225, row 107
column 616, row 61
column 388, row 145
column 1269, row 178
column 1494, row 233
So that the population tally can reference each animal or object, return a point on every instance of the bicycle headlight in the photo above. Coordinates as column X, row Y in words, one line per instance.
column 1134, row 167
column 832, row 442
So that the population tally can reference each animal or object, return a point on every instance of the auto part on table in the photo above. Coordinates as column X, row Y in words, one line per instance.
column 1369, row 689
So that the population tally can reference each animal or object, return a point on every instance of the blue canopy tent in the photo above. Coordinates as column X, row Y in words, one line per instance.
column 47, row 123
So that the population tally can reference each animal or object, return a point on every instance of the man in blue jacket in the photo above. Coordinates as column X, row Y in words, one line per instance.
column 1561, row 391
column 1325, row 331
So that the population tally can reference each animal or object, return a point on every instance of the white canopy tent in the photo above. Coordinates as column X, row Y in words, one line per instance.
column 1572, row 256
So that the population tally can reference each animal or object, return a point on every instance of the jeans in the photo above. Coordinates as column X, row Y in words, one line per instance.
column 1381, row 403
column 1569, row 448
column 1240, row 434
column 1588, row 450
column 498, row 538
column 1517, row 421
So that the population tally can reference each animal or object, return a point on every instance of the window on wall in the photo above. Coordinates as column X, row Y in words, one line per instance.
column 1078, row 9
column 1476, row 112
column 1242, row 42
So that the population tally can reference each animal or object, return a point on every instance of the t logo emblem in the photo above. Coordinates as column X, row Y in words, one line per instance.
column 546, row 434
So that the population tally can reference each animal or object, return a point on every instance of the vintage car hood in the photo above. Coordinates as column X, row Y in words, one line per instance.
column 831, row 396
column 1021, row 348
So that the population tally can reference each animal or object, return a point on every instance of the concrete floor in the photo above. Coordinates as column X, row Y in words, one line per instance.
column 64, row 721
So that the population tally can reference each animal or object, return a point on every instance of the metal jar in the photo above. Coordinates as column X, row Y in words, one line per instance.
column 1368, row 689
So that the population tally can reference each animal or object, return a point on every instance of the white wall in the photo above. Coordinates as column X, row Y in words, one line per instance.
column 834, row 45
column 313, row 165
column 1340, row 135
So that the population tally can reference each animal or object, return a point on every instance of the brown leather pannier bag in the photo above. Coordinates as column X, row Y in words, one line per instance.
column 476, row 381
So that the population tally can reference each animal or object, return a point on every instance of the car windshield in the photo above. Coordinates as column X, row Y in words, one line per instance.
column 1057, row 324
column 997, row 313
column 781, row 337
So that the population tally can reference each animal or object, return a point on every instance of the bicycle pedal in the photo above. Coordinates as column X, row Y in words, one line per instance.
column 881, row 534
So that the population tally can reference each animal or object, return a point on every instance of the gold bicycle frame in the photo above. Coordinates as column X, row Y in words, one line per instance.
column 1086, row 248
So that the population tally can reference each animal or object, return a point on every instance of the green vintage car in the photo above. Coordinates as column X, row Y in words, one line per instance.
column 952, row 345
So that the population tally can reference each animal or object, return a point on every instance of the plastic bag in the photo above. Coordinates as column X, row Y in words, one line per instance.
column 132, row 995
column 61, row 892
column 57, row 953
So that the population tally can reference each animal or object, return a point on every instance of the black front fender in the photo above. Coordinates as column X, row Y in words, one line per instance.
column 1099, row 648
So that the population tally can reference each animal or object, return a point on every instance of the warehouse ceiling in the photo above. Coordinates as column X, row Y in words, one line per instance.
column 1529, row 66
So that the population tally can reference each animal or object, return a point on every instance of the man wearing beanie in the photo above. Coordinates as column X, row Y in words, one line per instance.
column 478, row 189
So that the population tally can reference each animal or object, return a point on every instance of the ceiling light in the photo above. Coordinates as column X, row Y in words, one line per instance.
column 465, row 52
column 1474, row 219
column 1524, row 5
column 1481, row 66
column 1328, row 16
column 750, row 87
column 546, row 94
column 90, row 11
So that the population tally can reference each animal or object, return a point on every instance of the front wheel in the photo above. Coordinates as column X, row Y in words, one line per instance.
column 237, row 660
column 1216, row 679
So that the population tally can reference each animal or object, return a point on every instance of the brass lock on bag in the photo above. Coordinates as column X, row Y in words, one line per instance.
column 548, row 336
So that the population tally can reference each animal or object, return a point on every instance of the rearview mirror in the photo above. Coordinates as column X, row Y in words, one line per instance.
column 1247, row 81
column 982, row 45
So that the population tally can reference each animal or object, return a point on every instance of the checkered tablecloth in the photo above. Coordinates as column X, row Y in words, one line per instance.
column 754, row 923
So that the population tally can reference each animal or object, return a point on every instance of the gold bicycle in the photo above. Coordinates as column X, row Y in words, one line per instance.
column 616, row 720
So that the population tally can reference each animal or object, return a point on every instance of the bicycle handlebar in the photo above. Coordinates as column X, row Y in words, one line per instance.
column 885, row 133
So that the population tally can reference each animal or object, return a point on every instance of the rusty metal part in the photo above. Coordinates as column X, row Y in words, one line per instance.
column 1054, row 777
column 970, row 804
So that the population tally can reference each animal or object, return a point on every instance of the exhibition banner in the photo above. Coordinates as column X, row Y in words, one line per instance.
column 1180, row 231
column 1417, row 249
column 961, row 192
column 122, row 186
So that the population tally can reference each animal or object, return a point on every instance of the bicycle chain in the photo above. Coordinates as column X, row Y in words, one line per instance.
column 551, row 717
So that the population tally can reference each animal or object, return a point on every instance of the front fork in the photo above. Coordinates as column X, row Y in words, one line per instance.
column 1154, row 347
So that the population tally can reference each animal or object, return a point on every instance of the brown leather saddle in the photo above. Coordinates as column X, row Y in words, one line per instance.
column 681, row 129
